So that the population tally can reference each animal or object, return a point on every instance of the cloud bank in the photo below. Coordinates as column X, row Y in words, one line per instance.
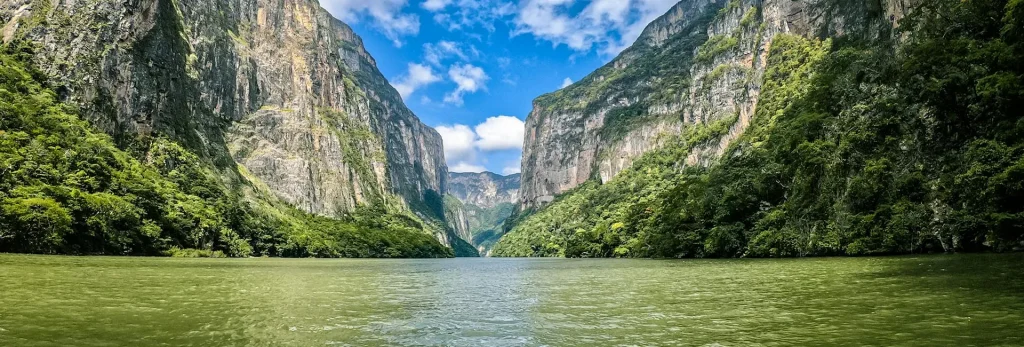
column 465, row 147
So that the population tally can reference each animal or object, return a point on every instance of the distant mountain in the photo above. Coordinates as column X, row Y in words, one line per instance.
column 479, row 203
column 484, row 189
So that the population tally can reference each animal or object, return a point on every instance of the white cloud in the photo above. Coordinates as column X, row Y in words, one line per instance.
column 435, row 5
column 543, row 19
column 567, row 82
column 648, row 10
column 611, row 25
column 386, row 16
column 500, row 133
column 612, row 11
column 504, row 62
column 466, row 167
column 511, row 170
column 467, row 14
column 418, row 76
column 510, row 80
column 436, row 53
column 465, row 148
column 468, row 78
column 459, row 143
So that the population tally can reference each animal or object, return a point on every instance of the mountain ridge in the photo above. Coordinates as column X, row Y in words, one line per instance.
column 785, row 128
column 279, row 99
column 479, row 204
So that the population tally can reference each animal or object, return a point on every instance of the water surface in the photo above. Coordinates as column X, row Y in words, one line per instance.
column 961, row 300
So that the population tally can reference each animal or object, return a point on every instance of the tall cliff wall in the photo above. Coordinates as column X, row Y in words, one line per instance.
column 484, row 189
column 276, row 90
column 700, row 63
column 478, row 205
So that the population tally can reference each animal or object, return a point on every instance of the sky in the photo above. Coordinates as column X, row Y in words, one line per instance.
column 471, row 68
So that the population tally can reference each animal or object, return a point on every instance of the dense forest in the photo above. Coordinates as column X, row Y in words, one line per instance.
column 908, row 141
column 66, row 188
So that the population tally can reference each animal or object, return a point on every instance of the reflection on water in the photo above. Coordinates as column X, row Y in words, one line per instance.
column 914, row 301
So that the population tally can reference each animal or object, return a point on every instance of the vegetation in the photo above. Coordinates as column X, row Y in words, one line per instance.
column 367, row 233
column 483, row 224
column 650, row 75
column 589, row 221
column 907, row 142
column 486, row 223
column 66, row 188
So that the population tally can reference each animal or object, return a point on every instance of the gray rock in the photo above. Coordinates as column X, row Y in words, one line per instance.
column 484, row 189
column 568, row 141
column 277, row 95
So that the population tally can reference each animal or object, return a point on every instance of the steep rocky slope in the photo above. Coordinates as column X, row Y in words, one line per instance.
column 479, row 204
column 280, row 97
column 825, row 127
column 484, row 189
column 700, row 63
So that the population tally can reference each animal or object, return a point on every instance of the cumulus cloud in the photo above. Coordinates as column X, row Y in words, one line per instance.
column 418, row 76
column 459, row 143
column 468, row 79
column 386, row 16
column 567, row 82
column 500, row 133
column 465, row 148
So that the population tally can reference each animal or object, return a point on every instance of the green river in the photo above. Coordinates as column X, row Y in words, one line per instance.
column 945, row 300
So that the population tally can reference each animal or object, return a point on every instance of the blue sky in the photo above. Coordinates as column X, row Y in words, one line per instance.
column 471, row 68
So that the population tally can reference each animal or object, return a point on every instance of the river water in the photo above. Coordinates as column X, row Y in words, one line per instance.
column 950, row 300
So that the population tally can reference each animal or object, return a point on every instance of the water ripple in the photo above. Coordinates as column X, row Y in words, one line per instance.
column 913, row 301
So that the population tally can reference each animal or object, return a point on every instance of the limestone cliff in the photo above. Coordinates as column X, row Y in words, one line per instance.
column 274, row 93
column 484, row 189
column 700, row 63
column 478, row 205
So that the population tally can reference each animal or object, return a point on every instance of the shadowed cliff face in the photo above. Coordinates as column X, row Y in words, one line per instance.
column 274, row 93
column 701, row 63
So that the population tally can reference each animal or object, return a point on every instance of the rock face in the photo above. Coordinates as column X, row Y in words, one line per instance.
column 484, row 189
column 277, row 91
column 479, row 203
column 701, row 63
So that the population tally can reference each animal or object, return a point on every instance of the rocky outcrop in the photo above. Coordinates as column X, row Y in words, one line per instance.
column 456, row 215
column 478, row 205
column 484, row 189
column 605, row 120
column 277, row 91
column 701, row 64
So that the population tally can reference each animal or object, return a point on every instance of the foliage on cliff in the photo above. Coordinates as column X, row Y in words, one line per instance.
column 485, row 223
column 480, row 203
column 66, row 188
column 645, row 75
column 468, row 221
column 886, row 146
